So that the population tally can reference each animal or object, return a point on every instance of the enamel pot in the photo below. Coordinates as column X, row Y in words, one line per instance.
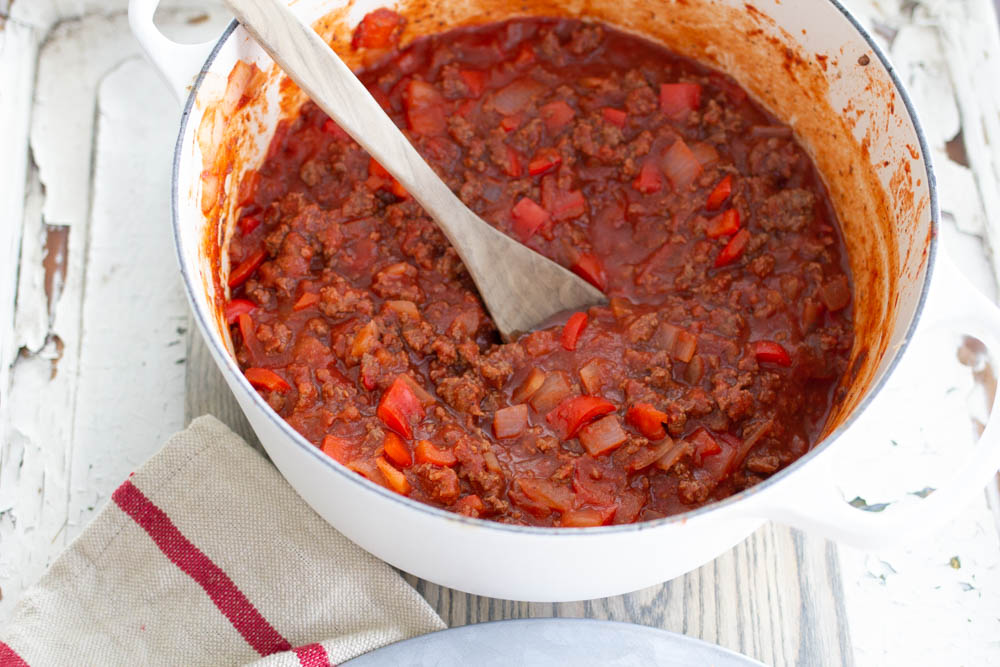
column 807, row 61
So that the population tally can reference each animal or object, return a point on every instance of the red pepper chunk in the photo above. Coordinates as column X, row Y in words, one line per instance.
column 726, row 224
column 575, row 325
column 238, row 307
column 677, row 100
column 396, row 479
column 248, row 223
column 305, row 301
column 239, row 275
column 396, row 450
column 471, row 505
column 649, row 180
column 527, row 218
column 399, row 407
column 575, row 412
column 771, row 352
column 647, row 420
column 556, row 115
column 378, row 30
column 544, row 161
column 614, row 116
column 475, row 81
column 426, row 452
column 338, row 449
column 590, row 268
column 734, row 249
column 720, row 193
column 265, row 378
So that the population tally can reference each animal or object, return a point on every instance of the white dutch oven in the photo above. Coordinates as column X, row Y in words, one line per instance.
column 813, row 66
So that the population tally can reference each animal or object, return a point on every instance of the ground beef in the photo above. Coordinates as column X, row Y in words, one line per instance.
column 363, row 325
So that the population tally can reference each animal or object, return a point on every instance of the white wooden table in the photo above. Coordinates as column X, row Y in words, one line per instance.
column 99, row 362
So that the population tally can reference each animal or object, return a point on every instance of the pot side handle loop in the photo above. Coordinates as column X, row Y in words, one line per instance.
column 178, row 64
column 812, row 502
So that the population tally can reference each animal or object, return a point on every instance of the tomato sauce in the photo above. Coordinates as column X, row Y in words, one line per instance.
column 728, row 324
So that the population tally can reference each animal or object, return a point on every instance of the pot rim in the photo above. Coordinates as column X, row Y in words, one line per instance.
column 543, row 531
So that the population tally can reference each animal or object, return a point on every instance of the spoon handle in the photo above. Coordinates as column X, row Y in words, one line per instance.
column 518, row 298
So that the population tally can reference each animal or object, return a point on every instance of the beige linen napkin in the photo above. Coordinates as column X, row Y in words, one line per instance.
column 206, row 556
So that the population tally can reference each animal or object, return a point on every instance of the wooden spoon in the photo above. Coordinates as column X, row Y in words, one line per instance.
column 521, row 288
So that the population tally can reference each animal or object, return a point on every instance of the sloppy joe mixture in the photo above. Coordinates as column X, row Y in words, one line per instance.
column 713, row 364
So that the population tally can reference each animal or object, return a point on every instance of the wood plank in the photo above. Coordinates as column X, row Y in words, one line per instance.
column 107, row 342
column 775, row 597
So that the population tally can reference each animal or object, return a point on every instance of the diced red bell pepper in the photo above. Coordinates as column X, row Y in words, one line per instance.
column 510, row 422
column 677, row 100
column 525, row 56
column 265, row 378
column 426, row 452
column 575, row 412
column 614, row 116
column 575, row 325
column 720, row 193
column 564, row 205
column 424, row 107
column 602, row 436
column 306, row 300
column 544, row 161
column 471, row 505
column 647, row 420
column 330, row 127
column 378, row 30
column 681, row 165
column 399, row 408
column 734, row 249
column 726, row 224
column 338, row 449
column 556, row 115
column 396, row 479
column 771, row 352
column 245, row 269
column 246, row 329
column 589, row 267
column 704, row 445
column 248, row 223
column 513, row 167
column 527, row 218
column 475, row 81
column 511, row 123
column 238, row 307
column 649, row 180
column 396, row 450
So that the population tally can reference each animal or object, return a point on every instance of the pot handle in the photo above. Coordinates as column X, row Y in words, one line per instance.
column 178, row 64
column 811, row 500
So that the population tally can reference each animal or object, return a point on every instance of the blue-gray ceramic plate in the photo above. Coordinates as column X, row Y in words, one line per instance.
column 549, row 642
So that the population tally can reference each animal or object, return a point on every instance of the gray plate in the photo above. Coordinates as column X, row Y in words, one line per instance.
column 552, row 641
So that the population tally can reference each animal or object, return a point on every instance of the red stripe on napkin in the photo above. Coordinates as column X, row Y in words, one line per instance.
column 312, row 655
column 220, row 588
column 8, row 658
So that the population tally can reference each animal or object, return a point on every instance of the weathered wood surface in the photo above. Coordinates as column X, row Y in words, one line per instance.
column 100, row 363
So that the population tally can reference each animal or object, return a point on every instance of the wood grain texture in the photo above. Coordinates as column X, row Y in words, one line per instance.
column 520, row 287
